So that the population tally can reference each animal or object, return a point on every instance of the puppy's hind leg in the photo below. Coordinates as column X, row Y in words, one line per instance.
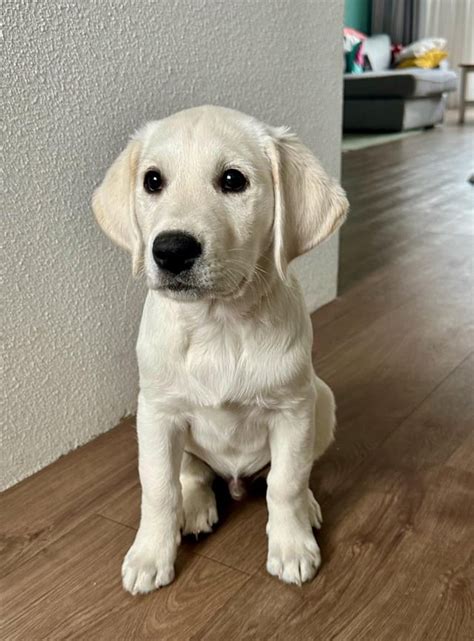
column 325, row 427
column 325, row 418
column 199, row 501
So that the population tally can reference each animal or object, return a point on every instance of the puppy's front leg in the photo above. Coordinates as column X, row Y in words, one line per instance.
column 149, row 563
column 293, row 554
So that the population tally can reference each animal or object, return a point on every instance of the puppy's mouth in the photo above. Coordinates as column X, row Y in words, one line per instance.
column 211, row 283
column 186, row 291
column 178, row 287
column 181, row 291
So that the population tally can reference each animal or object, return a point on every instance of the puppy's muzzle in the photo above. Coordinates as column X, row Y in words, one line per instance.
column 175, row 251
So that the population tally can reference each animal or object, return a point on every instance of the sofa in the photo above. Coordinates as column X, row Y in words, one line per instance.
column 386, row 99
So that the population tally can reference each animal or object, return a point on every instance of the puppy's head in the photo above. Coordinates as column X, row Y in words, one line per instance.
column 201, row 197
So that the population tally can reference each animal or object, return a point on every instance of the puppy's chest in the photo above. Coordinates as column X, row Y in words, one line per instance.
column 229, row 400
column 217, row 365
column 220, row 368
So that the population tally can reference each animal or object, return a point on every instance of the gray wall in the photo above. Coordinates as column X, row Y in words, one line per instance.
column 81, row 76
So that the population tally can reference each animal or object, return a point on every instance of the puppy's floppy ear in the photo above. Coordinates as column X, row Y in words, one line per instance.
column 309, row 205
column 113, row 204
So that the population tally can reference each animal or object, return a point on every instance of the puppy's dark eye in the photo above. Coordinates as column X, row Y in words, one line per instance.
column 232, row 180
column 153, row 181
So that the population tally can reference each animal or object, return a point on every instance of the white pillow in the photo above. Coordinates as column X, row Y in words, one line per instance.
column 420, row 47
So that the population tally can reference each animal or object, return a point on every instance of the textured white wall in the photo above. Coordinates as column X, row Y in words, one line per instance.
column 81, row 76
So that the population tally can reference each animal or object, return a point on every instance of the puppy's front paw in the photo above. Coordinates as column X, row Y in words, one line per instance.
column 199, row 507
column 147, row 566
column 293, row 555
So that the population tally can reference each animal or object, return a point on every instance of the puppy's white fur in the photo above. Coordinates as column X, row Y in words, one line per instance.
column 226, row 380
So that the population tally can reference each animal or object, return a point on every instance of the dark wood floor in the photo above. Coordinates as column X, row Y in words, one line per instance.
column 396, row 489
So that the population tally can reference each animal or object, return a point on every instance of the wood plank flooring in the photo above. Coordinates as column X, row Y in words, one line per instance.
column 396, row 489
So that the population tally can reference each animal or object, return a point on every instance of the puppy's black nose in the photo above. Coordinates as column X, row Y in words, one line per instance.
column 175, row 251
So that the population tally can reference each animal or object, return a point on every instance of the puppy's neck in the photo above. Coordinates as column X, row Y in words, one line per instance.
column 251, row 303
column 259, row 288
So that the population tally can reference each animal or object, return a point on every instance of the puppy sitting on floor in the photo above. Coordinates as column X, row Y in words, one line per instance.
column 213, row 205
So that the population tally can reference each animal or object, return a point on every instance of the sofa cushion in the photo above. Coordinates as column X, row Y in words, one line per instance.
column 378, row 50
column 399, row 83
column 394, row 114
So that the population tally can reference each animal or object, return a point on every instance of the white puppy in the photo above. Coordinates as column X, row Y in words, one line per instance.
column 213, row 205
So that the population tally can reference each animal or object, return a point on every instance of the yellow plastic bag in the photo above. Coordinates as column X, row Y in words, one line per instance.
column 428, row 60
